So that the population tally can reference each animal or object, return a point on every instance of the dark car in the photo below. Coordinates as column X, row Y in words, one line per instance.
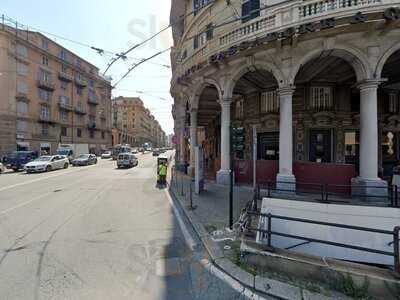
column 85, row 160
column 18, row 159
column 156, row 152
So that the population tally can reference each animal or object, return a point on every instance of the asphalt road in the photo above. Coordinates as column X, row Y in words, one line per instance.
column 96, row 233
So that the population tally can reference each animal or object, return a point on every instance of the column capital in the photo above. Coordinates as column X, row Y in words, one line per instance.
column 286, row 91
column 369, row 84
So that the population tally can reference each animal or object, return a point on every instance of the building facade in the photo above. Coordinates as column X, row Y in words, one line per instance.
column 49, row 96
column 314, row 84
column 134, row 124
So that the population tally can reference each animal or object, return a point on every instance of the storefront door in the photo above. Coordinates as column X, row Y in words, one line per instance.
column 320, row 146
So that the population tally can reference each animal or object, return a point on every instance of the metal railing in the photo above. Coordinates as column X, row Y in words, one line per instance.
column 268, row 233
column 331, row 193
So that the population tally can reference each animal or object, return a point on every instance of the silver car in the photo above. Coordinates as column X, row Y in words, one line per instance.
column 126, row 160
column 47, row 163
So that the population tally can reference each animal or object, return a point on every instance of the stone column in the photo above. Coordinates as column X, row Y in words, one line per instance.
column 224, row 173
column 285, row 178
column 368, row 182
column 193, row 140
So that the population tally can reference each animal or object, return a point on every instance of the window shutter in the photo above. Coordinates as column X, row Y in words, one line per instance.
column 246, row 7
column 255, row 9
column 196, row 42
column 209, row 32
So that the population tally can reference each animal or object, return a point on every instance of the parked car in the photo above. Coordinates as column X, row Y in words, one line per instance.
column 85, row 160
column 2, row 168
column 134, row 151
column 47, row 163
column 18, row 159
column 127, row 160
column 156, row 152
column 106, row 155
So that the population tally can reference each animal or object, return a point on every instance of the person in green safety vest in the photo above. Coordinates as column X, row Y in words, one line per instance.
column 162, row 172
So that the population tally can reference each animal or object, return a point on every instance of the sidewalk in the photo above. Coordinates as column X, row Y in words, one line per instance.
column 209, row 216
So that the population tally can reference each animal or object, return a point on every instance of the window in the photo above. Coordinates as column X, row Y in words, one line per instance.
column 321, row 98
column 64, row 68
column 22, row 87
column 184, row 55
column 78, row 63
column 63, row 116
column 393, row 103
column 79, row 90
column 45, row 76
column 79, row 132
column 269, row 102
column 103, row 135
column 22, row 69
column 64, row 131
column 199, row 4
column 63, row 55
column 91, row 83
column 21, row 126
column 64, row 99
column 45, row 44
column 250, row 10
column 44, row 95
column 64, row 85
column 91, row 134
column 45, row 112
column 45, row 60
column 22, row 51
column 352, row 147
column 22, row 107
column 239, row 109
column 45, row 129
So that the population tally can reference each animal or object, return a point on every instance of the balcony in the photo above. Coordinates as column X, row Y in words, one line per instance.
column 46, row 119
column 65, row 106
column 46, row 84
column 80, row 110
column 22, row 97
column 92, row 125
column 65, row 77
column 279, row 21
column 80, row 82
column 92, row 99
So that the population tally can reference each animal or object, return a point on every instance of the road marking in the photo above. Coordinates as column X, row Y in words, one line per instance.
column 42, row 178
column 23, row 204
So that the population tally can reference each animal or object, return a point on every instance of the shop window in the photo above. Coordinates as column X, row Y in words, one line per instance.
column 268, row 146
column 269, row 102
column 239, row 109
column 389, row 148
column 352, row 147
column 321, row 98
column 320, row 146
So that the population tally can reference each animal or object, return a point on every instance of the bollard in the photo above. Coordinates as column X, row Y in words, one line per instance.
column 396, row 250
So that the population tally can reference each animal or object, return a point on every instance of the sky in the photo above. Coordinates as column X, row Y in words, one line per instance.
column 112, row 25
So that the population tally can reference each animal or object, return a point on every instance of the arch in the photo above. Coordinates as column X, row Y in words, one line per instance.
column 249, row 67
column 354, row 57
column 199, row 87
column 384, row 58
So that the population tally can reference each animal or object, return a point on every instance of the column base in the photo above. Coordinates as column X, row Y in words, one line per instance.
column 375, row 190
column 223, row 177
column 191, row 170
column 285, row 183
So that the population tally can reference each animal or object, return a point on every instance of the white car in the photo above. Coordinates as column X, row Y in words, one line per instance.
column 2, row 168
column 47, row 163
column 106, row 155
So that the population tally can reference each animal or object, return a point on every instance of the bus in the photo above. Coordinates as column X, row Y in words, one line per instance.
column 117, row 149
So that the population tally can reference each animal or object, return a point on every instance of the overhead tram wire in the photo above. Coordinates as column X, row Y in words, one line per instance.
column 123, row 54
column 100, row 51
column 138, row 64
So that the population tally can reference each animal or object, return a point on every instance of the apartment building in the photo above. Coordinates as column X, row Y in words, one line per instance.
column 49, row 95
column 134, row 124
